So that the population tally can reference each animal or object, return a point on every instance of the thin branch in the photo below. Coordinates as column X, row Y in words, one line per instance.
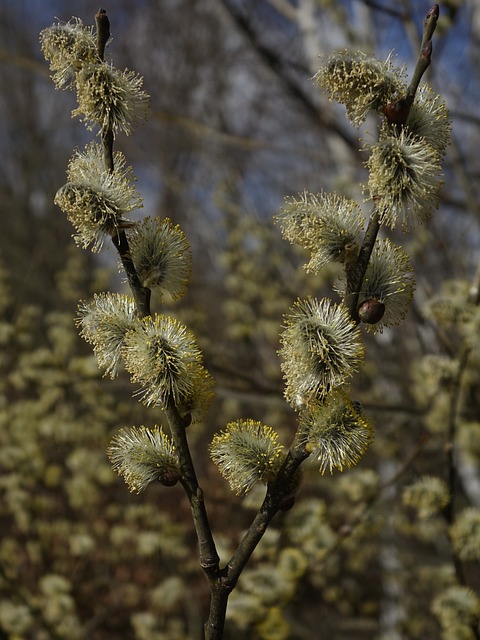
column 215, row 623
column 208, row 554
column 277, row 492
column 107, row 141
column 209, row 558
column 356, row 271
column 397, row 112
column 426, row 48
column 141, row 294
column 103, row 32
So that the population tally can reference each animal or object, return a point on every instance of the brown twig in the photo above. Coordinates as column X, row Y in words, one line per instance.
column 209, row 558
column 397, row 112
column 425, row 58
column 208, row 554
column 356, row 271
column 227, row 578
column 141, row 294
column 103, row 32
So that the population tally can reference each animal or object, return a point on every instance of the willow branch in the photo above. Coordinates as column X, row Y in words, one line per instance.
column 141, row 295
column 356, row 271
column 397, row 112
column 103, row 32
column 103, row 35
column 215, row 623
column 425, row 57
column 208, row 554
column 277, row 492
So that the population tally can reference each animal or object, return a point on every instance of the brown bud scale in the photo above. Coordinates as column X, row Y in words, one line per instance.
column 371, row 311
column 169, row 477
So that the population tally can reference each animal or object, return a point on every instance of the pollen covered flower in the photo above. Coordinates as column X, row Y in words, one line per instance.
column 104, row 322
column 404, row 180
column 198, row 400
column 433, row 378
column 161, row 354
column 449, row 306
column 335, row 432
column 360, row 82
column 458, row 610
column 68, row 47
column 388, row 281
column 96, row 200
column 429, row 119
column 321, row 348
column 161, row 255
column 245, row 452
column 109, row 98
column 142, row 455
column 326, row 224
column 465, row 534
column 427, row 496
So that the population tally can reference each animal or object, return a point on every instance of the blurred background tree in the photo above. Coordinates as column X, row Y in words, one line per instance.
column 235, row 126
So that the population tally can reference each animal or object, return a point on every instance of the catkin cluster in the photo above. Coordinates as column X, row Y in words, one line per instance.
column 322, row 343
column 158, row 351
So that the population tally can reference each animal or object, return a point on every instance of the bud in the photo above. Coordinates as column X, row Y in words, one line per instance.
column 371, row 311
column 397, row 112
column 169, row 477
